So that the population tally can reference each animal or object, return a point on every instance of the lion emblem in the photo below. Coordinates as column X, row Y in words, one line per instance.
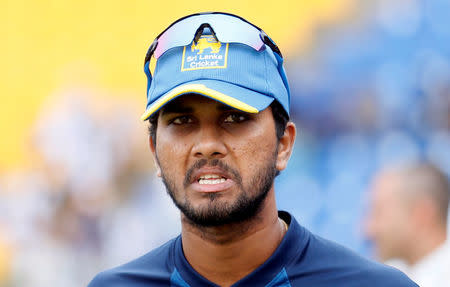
column 205, row 43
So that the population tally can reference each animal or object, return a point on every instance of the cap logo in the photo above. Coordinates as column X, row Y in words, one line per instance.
column 207, row 53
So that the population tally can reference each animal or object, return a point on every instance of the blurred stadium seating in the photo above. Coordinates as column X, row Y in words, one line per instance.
column 370, row 89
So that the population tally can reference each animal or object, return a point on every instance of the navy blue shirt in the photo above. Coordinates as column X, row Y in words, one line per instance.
column 302, row 259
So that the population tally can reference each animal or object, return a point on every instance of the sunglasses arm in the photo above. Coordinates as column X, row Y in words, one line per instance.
column 148, row 74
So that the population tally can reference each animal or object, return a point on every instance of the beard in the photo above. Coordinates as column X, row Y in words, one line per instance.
column 216, row 213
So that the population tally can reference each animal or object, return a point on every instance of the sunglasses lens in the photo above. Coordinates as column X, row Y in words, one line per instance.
column 228, row 29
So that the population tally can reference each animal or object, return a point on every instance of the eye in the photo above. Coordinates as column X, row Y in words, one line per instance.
column 181, row 120
column 235, row 118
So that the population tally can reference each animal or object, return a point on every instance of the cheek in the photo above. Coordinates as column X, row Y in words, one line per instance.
column 384, row 220
column 252, row 155
column 170, row 154
column 394, row 222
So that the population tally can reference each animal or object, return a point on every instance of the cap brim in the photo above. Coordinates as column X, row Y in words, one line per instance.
column 231, row 95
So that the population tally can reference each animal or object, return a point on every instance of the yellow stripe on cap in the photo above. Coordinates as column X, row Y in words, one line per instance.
column 198, row 89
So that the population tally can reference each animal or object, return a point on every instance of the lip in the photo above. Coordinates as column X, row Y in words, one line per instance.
column 208, row 188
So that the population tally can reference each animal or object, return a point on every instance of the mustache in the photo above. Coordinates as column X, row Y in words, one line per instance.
column 214, row 162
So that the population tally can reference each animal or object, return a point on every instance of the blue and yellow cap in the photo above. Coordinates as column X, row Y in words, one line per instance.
column 232, row 73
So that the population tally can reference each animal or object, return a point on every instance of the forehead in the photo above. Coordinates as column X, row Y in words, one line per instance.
column 386, row 187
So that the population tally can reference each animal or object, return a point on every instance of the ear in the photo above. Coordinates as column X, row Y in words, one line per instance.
column 285, row 146
column 152, row 145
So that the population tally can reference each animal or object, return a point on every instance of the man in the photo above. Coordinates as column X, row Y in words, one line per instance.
column 218, row 105
column 409, row 221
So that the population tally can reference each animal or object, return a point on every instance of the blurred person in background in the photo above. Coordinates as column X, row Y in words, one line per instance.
column 78, row 206
column 408, row 221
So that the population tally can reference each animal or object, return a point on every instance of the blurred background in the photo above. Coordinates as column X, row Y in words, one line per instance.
column 370, row 83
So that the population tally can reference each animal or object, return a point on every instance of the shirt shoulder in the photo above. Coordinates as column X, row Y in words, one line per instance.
column 324, row 261
column 151, row 269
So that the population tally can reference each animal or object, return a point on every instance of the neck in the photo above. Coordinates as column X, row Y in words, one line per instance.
column 426, row 245
column 229, row 253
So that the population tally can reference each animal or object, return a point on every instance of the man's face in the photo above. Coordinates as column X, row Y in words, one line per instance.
column 217, row 163
column 388, row 221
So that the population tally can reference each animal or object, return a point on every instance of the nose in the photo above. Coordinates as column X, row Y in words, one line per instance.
column 209, row 142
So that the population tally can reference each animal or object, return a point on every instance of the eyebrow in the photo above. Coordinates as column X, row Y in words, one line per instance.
column 176, row 109
column 225, row 108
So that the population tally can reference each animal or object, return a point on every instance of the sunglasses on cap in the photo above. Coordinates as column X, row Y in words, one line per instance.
column 225, row 27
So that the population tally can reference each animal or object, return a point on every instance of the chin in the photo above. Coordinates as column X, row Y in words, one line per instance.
column 216, row 213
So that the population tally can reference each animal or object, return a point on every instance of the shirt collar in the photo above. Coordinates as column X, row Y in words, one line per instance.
column 291, row 246
column 435, row 257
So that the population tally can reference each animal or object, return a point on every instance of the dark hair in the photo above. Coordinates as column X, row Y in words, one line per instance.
column 281, row 118
column 279, row 115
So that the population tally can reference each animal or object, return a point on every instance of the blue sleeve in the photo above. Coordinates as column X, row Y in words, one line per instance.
column 396, row 278
column 103, row 279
